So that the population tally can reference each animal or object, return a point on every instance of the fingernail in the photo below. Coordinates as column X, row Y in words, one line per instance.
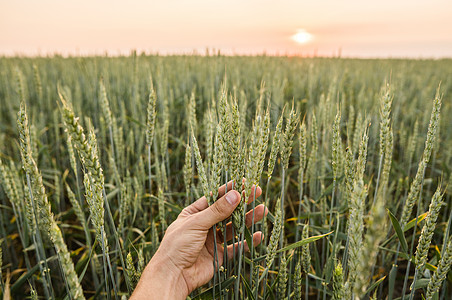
column 232, row 198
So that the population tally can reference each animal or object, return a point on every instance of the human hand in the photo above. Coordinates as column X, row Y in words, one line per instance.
column 184, row 260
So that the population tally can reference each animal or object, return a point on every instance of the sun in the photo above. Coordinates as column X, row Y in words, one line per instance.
column 302, row 36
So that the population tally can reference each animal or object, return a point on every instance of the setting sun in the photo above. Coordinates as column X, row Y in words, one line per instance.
column 302, row 36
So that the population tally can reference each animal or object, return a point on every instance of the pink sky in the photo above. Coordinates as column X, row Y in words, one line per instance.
column 359, row 28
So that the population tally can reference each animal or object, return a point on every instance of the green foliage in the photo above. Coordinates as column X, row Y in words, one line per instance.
column 84, row 203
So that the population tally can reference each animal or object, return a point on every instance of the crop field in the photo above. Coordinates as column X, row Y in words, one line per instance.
column 99, row 155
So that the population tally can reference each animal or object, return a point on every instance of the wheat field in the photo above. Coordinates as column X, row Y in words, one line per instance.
column 98, row 155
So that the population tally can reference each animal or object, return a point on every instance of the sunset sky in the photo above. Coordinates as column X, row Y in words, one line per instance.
column 357, row 27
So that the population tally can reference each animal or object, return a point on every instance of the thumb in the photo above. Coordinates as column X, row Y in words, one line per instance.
column 220, row 210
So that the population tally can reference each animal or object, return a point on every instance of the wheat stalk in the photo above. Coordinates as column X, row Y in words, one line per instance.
column 355, row 230
column 338, row 282
column 429, row 142
column 441, row 271
column 287, row 139
column 426, row 237
column 275, row 146
column 105, row 104
column 201, row 171
column 188, row 172
column 46, row 222
column 417, row 185
column 274, row 238
column 297, row 282
column 282, row 276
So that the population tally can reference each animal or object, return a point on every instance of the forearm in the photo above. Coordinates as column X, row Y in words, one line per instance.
column 160, row 280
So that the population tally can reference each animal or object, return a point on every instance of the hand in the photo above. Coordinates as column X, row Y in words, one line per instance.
column 184, row 260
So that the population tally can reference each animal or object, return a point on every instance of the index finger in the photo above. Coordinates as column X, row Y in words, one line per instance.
column 222, row 190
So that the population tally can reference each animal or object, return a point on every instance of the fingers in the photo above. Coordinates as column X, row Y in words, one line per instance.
column 258, row 192
column 197, row 206
column 221, row 190
column 234, row 249
column 259, row 212
column 201, row 203
column 218, row 211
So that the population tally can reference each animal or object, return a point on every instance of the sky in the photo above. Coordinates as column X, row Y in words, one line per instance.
column 350, row 28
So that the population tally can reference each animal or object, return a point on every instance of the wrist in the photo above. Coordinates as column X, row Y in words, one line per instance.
column 161, row 279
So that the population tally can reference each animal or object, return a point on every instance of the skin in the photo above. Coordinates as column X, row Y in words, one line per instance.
column 184, row 260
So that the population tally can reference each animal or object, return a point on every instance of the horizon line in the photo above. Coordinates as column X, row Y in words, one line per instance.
column 207, row 52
